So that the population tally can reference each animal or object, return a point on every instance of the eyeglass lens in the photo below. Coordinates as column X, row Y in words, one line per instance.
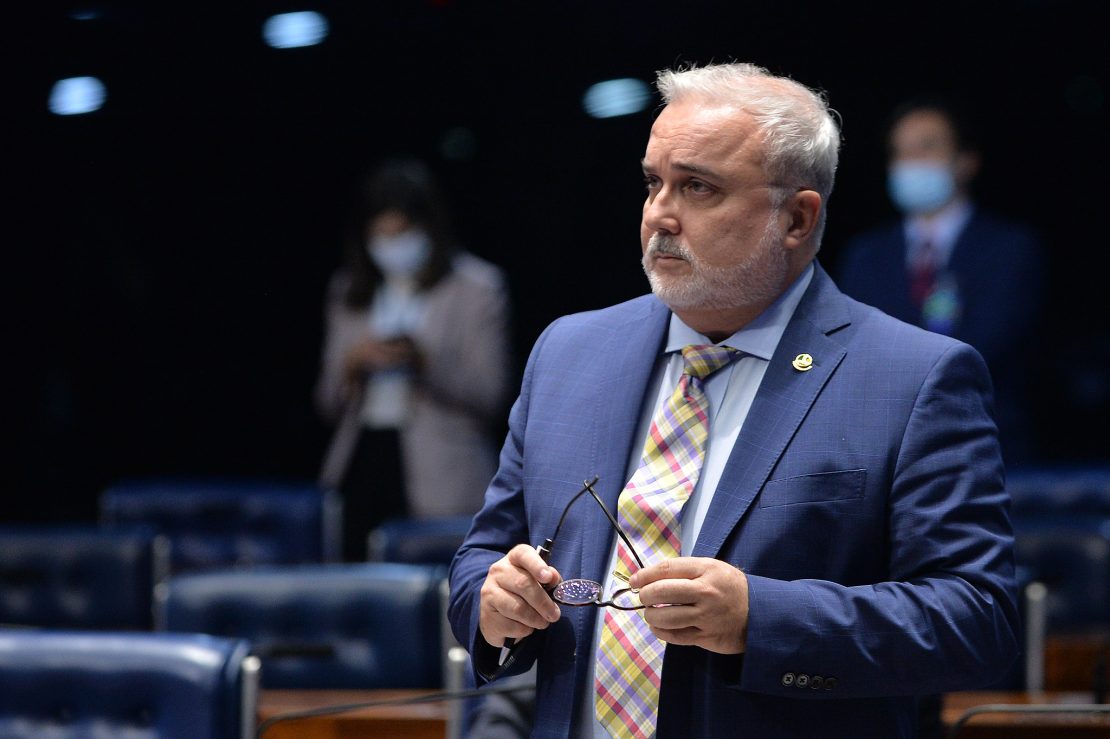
column 577, row 592
column 581, row 592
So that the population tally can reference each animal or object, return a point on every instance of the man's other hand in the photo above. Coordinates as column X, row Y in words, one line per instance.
column 514, row 601
column 697, row 600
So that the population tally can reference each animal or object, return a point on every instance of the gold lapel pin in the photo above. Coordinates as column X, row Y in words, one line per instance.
column 803, row 363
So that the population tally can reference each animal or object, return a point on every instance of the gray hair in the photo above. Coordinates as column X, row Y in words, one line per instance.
column 800, row 135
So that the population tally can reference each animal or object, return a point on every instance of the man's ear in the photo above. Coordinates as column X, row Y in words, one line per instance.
column 966, row 167
column 803, row 209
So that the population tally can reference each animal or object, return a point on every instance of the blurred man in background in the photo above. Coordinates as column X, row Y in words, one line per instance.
column 948, row 266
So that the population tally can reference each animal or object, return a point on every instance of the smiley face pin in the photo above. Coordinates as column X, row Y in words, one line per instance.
column 803, row 363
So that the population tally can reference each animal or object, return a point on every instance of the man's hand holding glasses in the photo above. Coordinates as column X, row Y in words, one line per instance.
column 522, row 590
column 514, row 601
column 706, row 599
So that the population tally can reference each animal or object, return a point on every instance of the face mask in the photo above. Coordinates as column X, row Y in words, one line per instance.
column 920, row 187
column 400, row 255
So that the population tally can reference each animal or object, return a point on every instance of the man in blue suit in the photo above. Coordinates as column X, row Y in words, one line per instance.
column 950, row 266
column 847, row 545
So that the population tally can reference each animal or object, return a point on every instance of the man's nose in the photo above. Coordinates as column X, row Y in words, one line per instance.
column 660, row 213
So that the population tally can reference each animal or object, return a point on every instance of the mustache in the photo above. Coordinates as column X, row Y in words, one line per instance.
column 668, row 246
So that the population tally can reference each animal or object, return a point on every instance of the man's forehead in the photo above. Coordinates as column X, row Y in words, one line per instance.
column 694, row 131
column 924, row 124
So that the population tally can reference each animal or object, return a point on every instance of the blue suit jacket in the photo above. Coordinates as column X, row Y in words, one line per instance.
column 998, row 269
column 864, row 500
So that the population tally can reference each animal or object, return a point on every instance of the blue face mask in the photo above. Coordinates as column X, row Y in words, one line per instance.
column 920, row 187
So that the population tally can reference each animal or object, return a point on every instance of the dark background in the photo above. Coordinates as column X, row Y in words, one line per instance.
column 168, row 253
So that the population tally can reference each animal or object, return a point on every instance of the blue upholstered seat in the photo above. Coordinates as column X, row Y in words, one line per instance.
column 418, row 540
column 1062, row 534
column 368, row 625
column 1060, row 488
column 106, row 685
column 81, row 577
column 221, row 523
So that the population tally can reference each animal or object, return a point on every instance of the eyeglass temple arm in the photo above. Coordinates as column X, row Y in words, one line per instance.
column 613, row 520
column 549, row 543
column 544, row 550
column 588, row 487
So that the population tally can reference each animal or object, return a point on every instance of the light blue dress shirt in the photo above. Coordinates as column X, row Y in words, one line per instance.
column 730, row 392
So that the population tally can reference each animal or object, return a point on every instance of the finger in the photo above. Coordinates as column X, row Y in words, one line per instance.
column 677, row 568
column 396, row 350
column 536, row 615
column 670, row 592
column 496, row 628
column 527, row 558
column 498, row 598
column 672, row 616
column 684, row 636
column 527, row 578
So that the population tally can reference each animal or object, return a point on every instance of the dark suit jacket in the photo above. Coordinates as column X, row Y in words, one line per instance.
column 998, row 270
column 863, row 498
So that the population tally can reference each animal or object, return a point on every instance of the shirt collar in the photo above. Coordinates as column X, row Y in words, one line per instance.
column 941, row 230
column 759, row 338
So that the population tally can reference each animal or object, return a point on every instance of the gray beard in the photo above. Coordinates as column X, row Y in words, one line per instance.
column 758, row 279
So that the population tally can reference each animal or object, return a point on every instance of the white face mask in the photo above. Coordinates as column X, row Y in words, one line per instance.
column 400, row 255
column 920, row 187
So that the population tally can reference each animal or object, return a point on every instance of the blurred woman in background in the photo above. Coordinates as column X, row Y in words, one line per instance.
column 415, row 366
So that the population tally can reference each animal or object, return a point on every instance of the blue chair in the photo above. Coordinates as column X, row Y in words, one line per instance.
column 365, row 625
column 221, row 523
column 1062, row 534
column 1060, row 488
column 1071, row 557
column 417, row 540
column 1061, row 517
column 77, row 685
column 79, row 577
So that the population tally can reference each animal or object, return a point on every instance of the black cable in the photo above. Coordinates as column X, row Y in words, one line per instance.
column 447, row 695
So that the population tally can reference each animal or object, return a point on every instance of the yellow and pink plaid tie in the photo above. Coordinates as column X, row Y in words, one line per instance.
column 629, row 656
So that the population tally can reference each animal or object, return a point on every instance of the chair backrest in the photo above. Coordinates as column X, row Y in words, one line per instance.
column 1062, row 534
column 223, row 523
column 78, row 577
column 72, row 685
column 418, row 540
column 1070, row 489
column 366, row 625
column 1072, row 559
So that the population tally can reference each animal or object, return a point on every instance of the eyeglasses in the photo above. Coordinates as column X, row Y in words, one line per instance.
column 582, row 592
column 579, row 592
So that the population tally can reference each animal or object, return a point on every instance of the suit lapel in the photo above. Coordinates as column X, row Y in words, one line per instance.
column 898, row 274
column 624, row 371
column 630, row 360
column 784, row 398
column 963, row 257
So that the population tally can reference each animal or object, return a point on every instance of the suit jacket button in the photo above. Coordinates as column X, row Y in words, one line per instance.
column 802, row 681
column 830, row 683
column 787, row 679
column 816, row 682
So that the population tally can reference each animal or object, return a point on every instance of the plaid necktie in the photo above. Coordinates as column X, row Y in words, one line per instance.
column 629, row 656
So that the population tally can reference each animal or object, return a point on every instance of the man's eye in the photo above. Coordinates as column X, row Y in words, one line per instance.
column 651, row 182
column 697, row 187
